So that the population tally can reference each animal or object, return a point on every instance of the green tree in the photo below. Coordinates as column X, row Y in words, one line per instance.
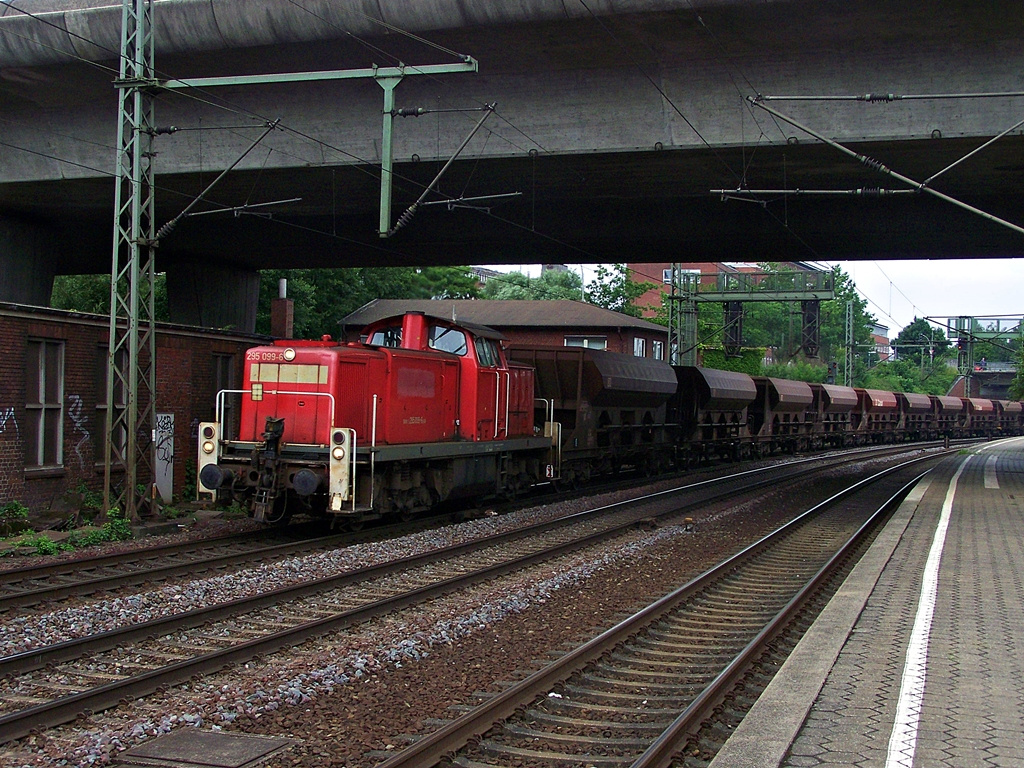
column 1016, row 390
column 91, row 293
column 922, row 344
column 613, row 289
column 833, row 328
column 550, row 285
column 322, row 297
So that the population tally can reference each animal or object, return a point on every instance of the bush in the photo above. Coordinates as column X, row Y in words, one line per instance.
column 118, row 527
column 43, row 544
column 13, row 518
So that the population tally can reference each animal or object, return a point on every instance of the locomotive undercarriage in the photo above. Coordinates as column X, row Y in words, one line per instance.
column 275, row 480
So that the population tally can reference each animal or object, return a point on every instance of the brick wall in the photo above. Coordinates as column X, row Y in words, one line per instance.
column 618, row 341
column 184, row 387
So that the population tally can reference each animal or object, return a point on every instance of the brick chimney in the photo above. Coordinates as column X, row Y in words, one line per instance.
column 282, row 313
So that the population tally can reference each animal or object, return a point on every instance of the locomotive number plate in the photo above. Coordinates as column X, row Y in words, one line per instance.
column 257, row 354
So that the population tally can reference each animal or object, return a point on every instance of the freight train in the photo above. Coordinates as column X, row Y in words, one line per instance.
column 424, row 410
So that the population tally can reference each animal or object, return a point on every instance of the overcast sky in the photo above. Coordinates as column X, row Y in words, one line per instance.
column 899, row 291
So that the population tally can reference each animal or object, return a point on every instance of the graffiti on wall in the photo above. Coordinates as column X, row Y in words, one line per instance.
column 7, row 417
column 78, row 422
column 165, row 456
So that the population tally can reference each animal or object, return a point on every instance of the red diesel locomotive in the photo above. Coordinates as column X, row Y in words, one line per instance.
column 423, row 410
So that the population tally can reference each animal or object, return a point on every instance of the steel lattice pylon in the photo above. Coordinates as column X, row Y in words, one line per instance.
column 131, row 360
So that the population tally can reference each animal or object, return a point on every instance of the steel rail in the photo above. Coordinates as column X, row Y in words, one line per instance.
column 37, row 658
column 18, row 599
column 661, row 751
column 429, row 750
column 17, row 724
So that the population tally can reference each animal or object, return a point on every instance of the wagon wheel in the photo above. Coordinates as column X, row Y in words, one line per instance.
column 406, row 515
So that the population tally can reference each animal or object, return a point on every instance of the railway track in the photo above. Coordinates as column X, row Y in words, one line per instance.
column 636, row 695
column 36, row 585
column 50, row 685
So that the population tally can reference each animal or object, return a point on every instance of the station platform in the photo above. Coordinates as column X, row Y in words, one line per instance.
column 918, row 660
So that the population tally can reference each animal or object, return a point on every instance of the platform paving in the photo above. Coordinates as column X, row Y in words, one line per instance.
column 929, row 646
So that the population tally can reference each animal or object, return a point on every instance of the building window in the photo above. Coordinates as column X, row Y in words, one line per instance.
column 658, row 350
column 44, row 403
column 639, row 347
column 686, row 276
column 590, row 342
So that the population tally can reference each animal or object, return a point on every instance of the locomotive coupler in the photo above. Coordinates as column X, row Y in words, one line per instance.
column 266, row 460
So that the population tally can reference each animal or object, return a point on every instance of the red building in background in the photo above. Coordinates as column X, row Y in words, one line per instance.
column 660, row 273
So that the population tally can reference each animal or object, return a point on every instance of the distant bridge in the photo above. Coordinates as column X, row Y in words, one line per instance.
column 615, row 120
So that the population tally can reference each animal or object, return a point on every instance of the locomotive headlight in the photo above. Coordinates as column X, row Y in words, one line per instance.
column 209, row 446
column 289, row 354
column 338, row 453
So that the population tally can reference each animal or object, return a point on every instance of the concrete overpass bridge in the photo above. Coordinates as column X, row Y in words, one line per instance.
column 614, row 121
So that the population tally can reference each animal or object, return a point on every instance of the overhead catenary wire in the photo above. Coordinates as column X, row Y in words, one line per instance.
column 322, row 144
column 219, row 103
column 891, row 97
column 882, row 168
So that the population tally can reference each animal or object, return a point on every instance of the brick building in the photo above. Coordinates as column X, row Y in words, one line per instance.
column 550, row 323
column 660, row 275
column 53, row 398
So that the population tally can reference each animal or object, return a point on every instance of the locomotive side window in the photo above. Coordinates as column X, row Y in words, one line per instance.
column 387, row 337
column 486, row 354
column 447, row 340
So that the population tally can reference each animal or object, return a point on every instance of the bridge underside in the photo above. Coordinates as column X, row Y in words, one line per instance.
column 613, row 130
column 595, row 207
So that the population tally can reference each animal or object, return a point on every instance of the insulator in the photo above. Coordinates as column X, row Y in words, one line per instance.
column 410, row 112
column 404, row 219
column 166, row 228
column 875, row 165
column 878, row 97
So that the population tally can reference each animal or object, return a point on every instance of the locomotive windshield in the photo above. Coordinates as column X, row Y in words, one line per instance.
column 387, row 337
column 447, row 340
column 486, row 354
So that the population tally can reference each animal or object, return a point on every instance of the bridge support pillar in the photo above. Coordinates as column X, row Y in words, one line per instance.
column 213, row 295
column 28, row 261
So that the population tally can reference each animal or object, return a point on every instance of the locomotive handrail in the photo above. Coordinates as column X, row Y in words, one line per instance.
column 219, row 409
column 373, row 455
column 352, row 472
column 498, row 400
column 549, row 407
column 508, row 395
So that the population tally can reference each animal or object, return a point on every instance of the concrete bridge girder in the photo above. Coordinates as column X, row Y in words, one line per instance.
column 27, row 263
column 213, row 295
column 631, row 118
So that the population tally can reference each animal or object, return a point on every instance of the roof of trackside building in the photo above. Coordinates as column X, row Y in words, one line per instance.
column 537, row 313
